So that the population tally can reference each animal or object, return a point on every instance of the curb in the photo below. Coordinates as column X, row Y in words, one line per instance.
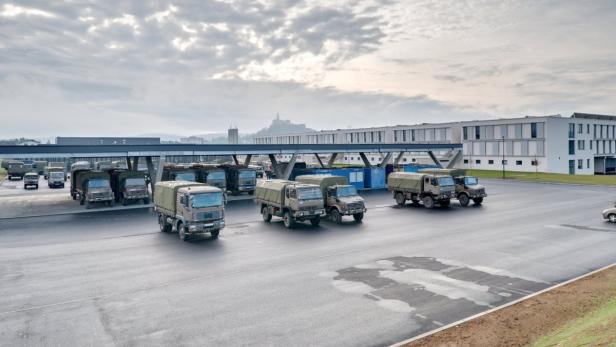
column 451, row 325
column 515, row 180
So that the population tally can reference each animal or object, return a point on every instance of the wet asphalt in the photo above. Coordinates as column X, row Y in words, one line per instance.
column 111, row 278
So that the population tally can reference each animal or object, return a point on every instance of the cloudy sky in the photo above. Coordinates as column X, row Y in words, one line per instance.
column 192, row 67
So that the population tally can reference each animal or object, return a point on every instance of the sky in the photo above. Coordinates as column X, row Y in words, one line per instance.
column 113, row 67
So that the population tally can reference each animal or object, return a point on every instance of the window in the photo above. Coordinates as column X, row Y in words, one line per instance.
column 490, row 161
column 465, row 161
column 404, row 159
column 595, row 130
column 571, row 147
column 477, row 132
column 580, row 128
column 403, row 135
column 413, row 160
column 588, row 163
column 478, row 161
column 580, row 164
column 590, row 143
column 533, row 130
column 413, row 135
column 588, row 128
column 580, row 145
column 465, row 133
column 571, row 130
column 518, row 162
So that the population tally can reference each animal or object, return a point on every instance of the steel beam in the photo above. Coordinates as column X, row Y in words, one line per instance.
column 129, row 164
column 435, row 159
column 275, row 166
column 386, row 160
column 332, row 159
column 159, row 170
column 290, row 166
column 365, row 159
column 316, row 155
column 398, row 158
column 455, row 160
column 151, row 172
column 135, row 163
column 237, row 162
column 247, row 160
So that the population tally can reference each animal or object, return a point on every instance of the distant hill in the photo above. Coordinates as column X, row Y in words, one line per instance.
column 282, row 126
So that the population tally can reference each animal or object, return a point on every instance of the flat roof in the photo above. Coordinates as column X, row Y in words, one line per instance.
column 593, row 116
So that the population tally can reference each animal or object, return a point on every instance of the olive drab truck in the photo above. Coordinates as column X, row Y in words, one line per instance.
column 339, row 198
column 129, row 186
column 39, row 166
column 426, row 188
column 240, row 179
column 467, row 188
column 16, row 169
column 56, row 165
column 31, row 180
column 56, row 177
column 193, row 209
column 92, row 187
column 76, row 169
column 177, row 172
column 211, row 175
column 293, row 201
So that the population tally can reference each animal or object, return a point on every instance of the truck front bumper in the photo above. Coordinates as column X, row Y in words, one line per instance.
column 246, row 188
column 137, row 196
column 205, row 227
column 480, row 195
column 309, row 213
column 354, row 211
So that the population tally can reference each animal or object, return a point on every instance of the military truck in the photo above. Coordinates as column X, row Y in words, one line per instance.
column 467, row 188
column 31, row 179
column 211, row 175
column 16, row 169
column 339, row 198
column 240, row 179
column 76, row 169
column 39, row 166
column 427, row 188
column 56, row 177
column 54, row 164
column 293, row 201
column 175, row 172
column 129, row 186
column 193, row 209
column 92, row 187
column 104, row 165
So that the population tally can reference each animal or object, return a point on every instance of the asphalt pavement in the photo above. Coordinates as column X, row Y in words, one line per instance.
column 111, row 278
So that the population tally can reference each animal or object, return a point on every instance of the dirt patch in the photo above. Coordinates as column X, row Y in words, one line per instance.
column 529, row 320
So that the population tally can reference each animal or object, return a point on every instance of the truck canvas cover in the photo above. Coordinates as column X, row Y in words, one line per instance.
column 165, row 193
column 446, row 172
column 83, row 177
column 323, row 181
column 272, row 191
column 81, row 165
column 405, row 180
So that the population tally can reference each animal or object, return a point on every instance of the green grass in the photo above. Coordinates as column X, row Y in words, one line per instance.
column 2, row 173
column 545, row 177
column 597, row 328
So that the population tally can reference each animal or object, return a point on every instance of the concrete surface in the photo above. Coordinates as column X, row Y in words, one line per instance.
column 111, row 278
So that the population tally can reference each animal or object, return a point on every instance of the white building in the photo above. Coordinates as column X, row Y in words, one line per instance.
column 580, row 144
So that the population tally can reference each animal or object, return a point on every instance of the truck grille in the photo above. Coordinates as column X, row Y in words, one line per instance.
column 208, row 215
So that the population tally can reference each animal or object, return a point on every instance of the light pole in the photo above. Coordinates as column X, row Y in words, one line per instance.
column 503, row 162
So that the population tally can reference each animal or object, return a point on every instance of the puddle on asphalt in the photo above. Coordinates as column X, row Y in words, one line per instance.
column 433, row 291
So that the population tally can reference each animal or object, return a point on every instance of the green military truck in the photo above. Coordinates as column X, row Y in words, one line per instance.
column 16, row 169
column 427, row 188
column 93, row 187
column 55, row 165
column 56, row 177
column 129, row 186
column 39, row 166
column 240, row 179
column 340, row 198
column 193, row 209
column 175, row 172
column 293, row 201
column 467, row 188
column 31, row 180
column 211, row 175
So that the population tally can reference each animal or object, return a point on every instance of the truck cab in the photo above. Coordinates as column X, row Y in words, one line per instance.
column 468, row 188
column 199, row 210
column 56, row 177
column 441, row 187
column 31, row 179
column 343, row 200
column 129, row 186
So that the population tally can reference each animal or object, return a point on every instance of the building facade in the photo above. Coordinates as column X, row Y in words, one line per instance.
column 84, row 141
column 580, row 144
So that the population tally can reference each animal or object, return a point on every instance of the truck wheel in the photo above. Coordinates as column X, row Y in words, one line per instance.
column 358, row 217
column 336, row 217
column 181, row 232
column 215, row 234
column 252, row 192
column 289, row 221
column 400, row 199
column 445, row 203
column 315, row 221
column 464, row 200
column 611, row 217
column 88, row 205
column 73, row 196
column 267, row 217
column 478, row 201
column 428, row 202
column 162, row 222
column 146, row 201
column 124, row 201
column 81, row 201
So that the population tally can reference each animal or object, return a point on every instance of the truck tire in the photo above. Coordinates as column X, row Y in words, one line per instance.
column 162, row 223
column 445, row 203
column 267, row 217
column 215, row 234
column 358, row 217
column 400, row 199
column 336, row 216
column 181, row 232
column 146, row 201
column 478, row 201
column 611, row 217
column 252, row 192
column 288, row 219
column 315, row 221
column 428, row 202
column 463, row 199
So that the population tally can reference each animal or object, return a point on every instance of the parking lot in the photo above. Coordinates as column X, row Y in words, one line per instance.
column 114, row 279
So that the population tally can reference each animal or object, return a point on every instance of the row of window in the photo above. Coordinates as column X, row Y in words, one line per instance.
column 419, row 135
column 507, row 131
column 491, row 162
column 601, row 131
column 524, row 148
column 365, row 137
column 600, row 146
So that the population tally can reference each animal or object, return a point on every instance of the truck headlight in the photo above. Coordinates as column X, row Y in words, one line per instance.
column 192, row 227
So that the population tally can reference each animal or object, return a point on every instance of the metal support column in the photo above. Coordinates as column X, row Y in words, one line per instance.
column 290, row 166
column 275, row 166
column 316, row 155
column 135, row 163
column 159, row 171
column 435, row 160
column 247, row 160
column 332, row 159
column 129, row 164
column 237, row 162
column 398, row 159
column 386, row 160
column 151, row 172
column 365, row 159
column 454, row 161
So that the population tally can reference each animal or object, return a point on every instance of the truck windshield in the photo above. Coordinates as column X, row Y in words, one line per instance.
column 185, row 176
column 218, row 175
column 445, row 181
column 309, row 193
column 56, row 175
column 343, row 191
column 206, row 200
column 471, row 181
column 136, row 181
column 98, row 183
column 248, row 174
